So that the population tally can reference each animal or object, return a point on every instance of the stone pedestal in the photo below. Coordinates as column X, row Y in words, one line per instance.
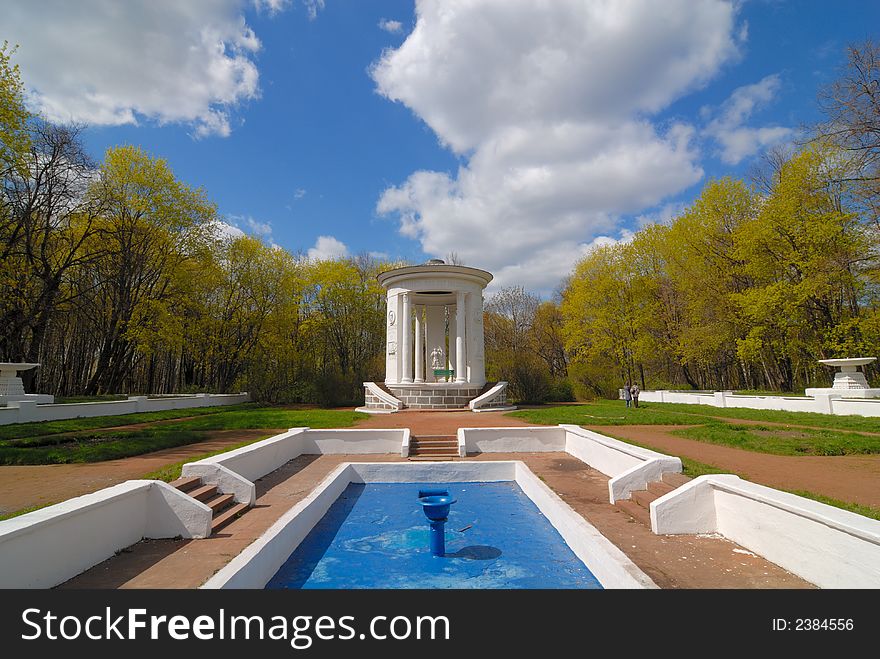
column 12, row 388
column 849, row 382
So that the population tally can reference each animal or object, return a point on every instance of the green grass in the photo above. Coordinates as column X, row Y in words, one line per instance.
column 783, row 440
column 97, row 445
column 615, row 413
column 19, row 430
column 89, row 399
column 24, row 511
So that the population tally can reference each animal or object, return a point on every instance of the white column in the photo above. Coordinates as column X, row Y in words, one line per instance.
column 460, row 316
column 435, row 329
column 406, row 341
column 449, row 333
column 474, row 340
column 420, row 347
column 392, row 340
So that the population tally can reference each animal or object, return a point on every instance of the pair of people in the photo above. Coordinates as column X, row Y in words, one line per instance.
column 631, row 395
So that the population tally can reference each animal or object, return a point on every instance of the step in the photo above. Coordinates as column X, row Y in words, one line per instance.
column 659, row 488
column 220, row 502
column 203, row 493
column 635, row 511
column 433, row 451
column 186, row 483
column 432, row 458
column 675, row 480
column 643, row 498
column 438, row 445
column 433, row 438
column 227, row 516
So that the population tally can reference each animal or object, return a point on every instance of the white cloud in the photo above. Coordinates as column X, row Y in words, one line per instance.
column 381, row 256
column 394, row 27
column 327, row 248
column 313, row 7
column 299, row 193
column 736, row 141
column 271, row 7
column 240, row 223
column 663, row 215
column 226, row 231
column 550, row 105
column 103, row 63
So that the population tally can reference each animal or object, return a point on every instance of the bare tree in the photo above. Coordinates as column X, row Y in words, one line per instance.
column 851, row 105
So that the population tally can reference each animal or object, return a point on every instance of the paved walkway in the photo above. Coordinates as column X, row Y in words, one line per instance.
column 852, row 478
column 671, row 561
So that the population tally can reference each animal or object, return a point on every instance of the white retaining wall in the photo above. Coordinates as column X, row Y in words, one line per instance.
column 51, row 545
column 821, row 403
column 258, row 563
column 827, row 546
column 630, row 468
column 29, row 411
column 234, row 472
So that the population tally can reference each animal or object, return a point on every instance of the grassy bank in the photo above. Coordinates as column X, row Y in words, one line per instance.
column 58, row 445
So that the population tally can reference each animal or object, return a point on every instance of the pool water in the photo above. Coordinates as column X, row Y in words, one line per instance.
column 376, row 536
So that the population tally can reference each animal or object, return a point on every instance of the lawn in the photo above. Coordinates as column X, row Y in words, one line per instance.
column 67, row 441
column 615, row 413
column 835, row 435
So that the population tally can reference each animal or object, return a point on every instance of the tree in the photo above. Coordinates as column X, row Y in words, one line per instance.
column 852, row 106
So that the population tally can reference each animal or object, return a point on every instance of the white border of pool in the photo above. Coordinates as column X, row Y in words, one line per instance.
column 258, row 563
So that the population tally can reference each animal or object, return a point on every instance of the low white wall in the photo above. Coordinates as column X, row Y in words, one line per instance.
column 820, row 404
column 29, row 411
column 629, row 467
column 510, row 440
column 258, row 563
column 234, row 472
column 827, row 546
column 51, row 545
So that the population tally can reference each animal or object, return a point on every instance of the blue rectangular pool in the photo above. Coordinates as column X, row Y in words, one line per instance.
column 375, row 535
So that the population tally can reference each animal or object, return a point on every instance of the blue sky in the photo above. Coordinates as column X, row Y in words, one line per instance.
column 517, row 134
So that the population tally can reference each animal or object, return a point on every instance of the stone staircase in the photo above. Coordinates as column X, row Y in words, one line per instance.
column 433, row 447
column 639, row 505
column 223, row 506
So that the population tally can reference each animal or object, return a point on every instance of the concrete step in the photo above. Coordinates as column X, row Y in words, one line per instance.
column 659, row 488
column 186, row 483
column 675, row 480
column 440, row 450
column 446, row 446
column 635, row 511
column 643, row 498
column 433, row 458
column 203, row 493
column 434, row 438
column 220, row 502
column 227, row 516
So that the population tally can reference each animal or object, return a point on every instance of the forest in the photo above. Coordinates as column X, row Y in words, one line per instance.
column 118, row 278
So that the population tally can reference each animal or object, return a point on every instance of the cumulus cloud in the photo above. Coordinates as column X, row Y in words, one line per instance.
column 549, row 105
column 109, row 63
column 327, row 248
column 736, row 141
column 394, row 27
column 225, row 231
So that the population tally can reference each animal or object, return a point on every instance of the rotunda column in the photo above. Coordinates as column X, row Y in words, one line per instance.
column 406, row 341
column 460, row 312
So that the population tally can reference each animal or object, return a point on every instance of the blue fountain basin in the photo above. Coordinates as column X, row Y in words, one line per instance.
column 436, row 507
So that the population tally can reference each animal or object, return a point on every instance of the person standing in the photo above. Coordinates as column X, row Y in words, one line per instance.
column 634, row 392
column 627, row 394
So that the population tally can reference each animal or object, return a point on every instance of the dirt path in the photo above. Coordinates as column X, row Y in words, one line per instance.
column 755, row 422
column 852, row 478
column 34, row 485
